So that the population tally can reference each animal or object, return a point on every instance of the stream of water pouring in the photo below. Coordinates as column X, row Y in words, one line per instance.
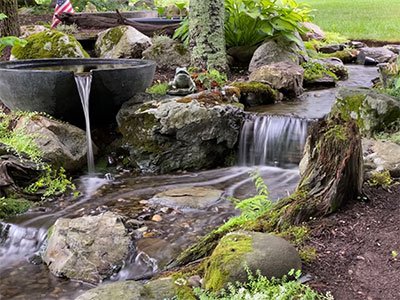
column 83, row 83
column 272, row 140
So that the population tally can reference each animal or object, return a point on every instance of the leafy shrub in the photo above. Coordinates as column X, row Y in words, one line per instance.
column 11, row 207
column 250, row 22
column 260, row 287
column 209, row 79
column 383, row 179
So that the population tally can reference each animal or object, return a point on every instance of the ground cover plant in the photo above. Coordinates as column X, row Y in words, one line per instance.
column 359, row 19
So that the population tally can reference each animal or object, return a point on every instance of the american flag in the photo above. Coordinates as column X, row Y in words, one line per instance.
column 61, row 6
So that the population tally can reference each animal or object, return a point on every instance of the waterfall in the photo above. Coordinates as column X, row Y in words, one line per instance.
column 84, row 82
column 272, row 140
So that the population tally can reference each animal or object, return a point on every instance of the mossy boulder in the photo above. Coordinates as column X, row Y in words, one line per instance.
column 271, row 255
column 323, row 72
column 49, row 44
column 162, row 288
column 286, row 77
column 121, row 42
column 180, row 134
column 254, row 93
column 373, row 112
column 167, row 53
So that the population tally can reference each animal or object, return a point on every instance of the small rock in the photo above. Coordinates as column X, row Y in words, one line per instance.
column 157, row 218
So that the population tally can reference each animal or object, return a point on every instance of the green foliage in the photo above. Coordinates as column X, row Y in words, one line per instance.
column 308, row 254
column 381, row 179
column 260, row 287
column 51, row 183
column 250, row 208
column 210, row 79
column 158, row 89
column 182, row 32
column 16, row 140
column 11, row 207
column 9, row 40
column 331, row 38
column 316, row 70
column 250, row 22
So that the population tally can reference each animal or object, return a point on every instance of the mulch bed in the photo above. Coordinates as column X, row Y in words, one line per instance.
column 354, row 246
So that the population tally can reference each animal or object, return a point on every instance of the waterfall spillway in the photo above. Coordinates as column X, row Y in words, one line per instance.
column 83, row 83
column 272, row 140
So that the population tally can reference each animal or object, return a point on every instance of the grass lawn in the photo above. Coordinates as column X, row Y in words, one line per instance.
column 359, row 19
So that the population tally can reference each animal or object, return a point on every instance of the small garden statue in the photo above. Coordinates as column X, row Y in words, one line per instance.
column 182, row 84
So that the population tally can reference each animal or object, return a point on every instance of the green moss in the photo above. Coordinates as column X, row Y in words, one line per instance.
column 112, row 37
column 294, row 234
column 158, row 89
column 11, row 207
column 232, row 247
column 350, row 108
column 50, row 231
column 380, row 179
column 315, row 70
column 181, row 49
column 308, row 254
column 336, row 132
column 346, row 55
column 49, row 44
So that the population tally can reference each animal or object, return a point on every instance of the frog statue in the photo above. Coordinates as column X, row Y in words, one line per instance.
column 182, row 84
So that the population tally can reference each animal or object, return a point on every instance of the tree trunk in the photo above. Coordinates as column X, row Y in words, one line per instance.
column 10, row 25
column 206, row 34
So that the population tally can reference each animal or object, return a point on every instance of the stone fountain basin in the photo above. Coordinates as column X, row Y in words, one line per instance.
column 48, row 85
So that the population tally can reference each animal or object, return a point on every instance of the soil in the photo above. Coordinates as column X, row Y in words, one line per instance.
column 357, row 248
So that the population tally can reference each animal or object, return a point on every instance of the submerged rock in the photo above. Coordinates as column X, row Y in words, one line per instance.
column 49, row 44
column 162, row 288
column 287, row 77
column 61, row 144
column 372, row 111
column 121, row 42
column 89, row 248
column 271, row 255
column 189, row 197
column 188, row 133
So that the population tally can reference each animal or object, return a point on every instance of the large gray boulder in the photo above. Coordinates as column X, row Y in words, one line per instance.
column 162, row 288
column 89, row 248
column 180, row 134
column 277, row 50
column 61, row 144
column 121, row 42
column 167, row 53
column 286, row 77
column 271, row 255
column 377, row 54
column 372, row 111
column 381, row 156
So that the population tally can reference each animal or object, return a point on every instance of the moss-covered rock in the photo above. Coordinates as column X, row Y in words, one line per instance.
column 49, row 44
column 236, row 251
column 254, row 93
column 373, row 112
column 187, row 133
column 121, row 42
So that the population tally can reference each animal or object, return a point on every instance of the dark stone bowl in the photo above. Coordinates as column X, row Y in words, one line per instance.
column 48, row 85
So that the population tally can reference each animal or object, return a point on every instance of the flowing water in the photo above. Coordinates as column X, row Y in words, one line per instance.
column 272, row 145
column 83, row 83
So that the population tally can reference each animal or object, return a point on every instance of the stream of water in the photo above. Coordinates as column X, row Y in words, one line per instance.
column 273, row 145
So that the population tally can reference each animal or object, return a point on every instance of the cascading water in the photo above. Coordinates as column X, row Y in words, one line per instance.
column 83, row 83
column 272, row 140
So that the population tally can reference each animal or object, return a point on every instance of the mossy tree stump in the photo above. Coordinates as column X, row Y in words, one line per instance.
column 332, row 175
